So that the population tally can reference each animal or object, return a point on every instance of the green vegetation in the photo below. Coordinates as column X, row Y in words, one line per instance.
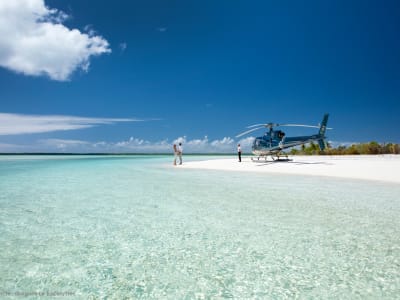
column 355, row 149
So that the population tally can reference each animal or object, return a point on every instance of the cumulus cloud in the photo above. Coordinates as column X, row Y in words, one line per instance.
column 33, row 41
column 12, row 124
column 131, row 145
column 246, row 143
column 204, row 145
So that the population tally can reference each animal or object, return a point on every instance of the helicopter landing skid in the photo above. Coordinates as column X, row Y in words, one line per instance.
column 275, row 157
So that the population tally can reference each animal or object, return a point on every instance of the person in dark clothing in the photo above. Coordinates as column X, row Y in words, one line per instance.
column 239, row 150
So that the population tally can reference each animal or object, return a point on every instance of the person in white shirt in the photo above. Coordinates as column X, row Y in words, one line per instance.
column 239, row 150
column 180, row 151
column 175, row 154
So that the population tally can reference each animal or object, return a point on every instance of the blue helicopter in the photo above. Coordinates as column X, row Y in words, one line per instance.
column 274, row 141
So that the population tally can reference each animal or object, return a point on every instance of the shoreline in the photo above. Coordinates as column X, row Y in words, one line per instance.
column 365, row 167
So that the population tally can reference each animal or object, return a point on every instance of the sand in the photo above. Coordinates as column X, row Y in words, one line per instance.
column 368, row 167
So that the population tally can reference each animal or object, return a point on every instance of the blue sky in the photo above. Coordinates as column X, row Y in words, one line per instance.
column 139, row 75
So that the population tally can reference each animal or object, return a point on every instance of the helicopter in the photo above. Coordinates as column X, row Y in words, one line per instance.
column 273, row 142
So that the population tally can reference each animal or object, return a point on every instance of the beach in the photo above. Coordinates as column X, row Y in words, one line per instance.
column 367, row 167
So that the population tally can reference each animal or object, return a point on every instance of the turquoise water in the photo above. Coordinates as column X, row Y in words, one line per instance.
column 136, row 227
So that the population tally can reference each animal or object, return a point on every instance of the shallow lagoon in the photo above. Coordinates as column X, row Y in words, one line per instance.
column 134, row 226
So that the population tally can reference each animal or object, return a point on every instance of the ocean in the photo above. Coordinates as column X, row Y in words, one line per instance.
column 115, row 227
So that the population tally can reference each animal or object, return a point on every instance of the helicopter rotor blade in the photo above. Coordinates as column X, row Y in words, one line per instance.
column 270, row 125
column 255, row 125
column 267, row 125
column 299, row 125
column 248, row 131
column 302, row 125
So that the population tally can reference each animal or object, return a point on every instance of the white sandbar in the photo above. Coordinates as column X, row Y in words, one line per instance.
column 369, row 167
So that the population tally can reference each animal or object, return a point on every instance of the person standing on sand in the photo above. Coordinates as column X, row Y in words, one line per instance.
column 180, row 151
column 239, row 150
column 175, row 154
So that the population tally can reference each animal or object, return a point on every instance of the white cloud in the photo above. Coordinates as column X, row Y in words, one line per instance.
column 204, row 145
column 224, row 145
column 33, row 41
column 131, row 145
column 11, row 124
column 162, row 29
column 246, row 143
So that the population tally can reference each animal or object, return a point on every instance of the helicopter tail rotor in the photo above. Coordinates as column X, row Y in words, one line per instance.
column 321, row 133
column 324, row 122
